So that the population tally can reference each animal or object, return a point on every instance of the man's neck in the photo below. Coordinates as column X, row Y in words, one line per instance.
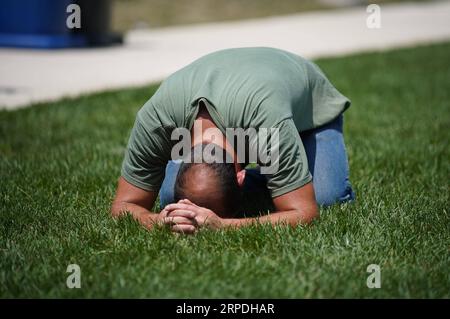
column 205, row 130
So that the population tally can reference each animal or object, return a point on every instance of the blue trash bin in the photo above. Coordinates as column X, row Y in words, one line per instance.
column 37, row 24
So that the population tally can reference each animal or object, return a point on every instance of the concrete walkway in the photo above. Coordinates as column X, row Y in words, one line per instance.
column 28, row 76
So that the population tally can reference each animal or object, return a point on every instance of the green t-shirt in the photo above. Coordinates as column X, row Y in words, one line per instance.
column 242, row 88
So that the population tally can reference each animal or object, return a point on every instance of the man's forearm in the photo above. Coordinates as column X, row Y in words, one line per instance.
column 141, row 214
column 292, row 218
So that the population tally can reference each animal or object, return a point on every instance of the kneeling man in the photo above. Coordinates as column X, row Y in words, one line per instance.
column 291, row 119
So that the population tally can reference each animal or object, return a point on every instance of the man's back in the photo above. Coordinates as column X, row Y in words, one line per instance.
column 251, row 87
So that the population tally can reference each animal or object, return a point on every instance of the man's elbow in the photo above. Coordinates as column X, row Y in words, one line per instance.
column 307, row 216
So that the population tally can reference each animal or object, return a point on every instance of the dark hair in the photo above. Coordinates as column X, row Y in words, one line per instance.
column 224, row 174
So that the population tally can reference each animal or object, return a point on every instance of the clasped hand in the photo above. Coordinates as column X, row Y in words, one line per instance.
column 186, row 217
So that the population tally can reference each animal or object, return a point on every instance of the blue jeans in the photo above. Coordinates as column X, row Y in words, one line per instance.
column 327, row 161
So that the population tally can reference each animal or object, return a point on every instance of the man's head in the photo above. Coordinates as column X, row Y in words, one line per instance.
column 210, row 179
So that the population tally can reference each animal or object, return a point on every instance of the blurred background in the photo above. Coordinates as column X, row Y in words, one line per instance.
column 129, row 14
column 50, row 49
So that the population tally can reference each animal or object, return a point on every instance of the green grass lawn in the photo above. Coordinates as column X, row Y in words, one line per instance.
column 59, row 163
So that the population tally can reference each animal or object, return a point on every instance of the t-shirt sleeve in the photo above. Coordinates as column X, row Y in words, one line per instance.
column 327, row 101
column 289, row 164
column 146, row 156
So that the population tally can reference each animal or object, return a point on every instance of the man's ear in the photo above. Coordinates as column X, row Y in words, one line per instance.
column 240, row 177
